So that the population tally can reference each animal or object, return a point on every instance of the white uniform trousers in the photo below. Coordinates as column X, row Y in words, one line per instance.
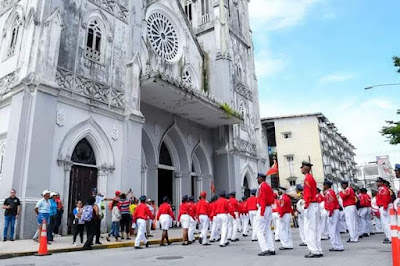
column 230, row 227
column 342, row 222
column 334, row 230
column 324, row 224
column 223, row 219
column 312, row 216
column 235, row 225
column 300, row 219
column 252, row 216
column 263, row 228
column 351, row 221
column 216, row 224
column 192, row 228
column 365, row 216
column 377, row 226
column 239, row 221
column 358, row 223
column 286, row 231
column 275, row 221
column 141, row 224
column 245, row 223
column 385, row 222
column 204, row 223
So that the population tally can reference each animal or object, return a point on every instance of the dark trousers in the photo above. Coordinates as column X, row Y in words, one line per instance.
column 97, row 230
column 78, row 229
column 50, row 228
column 58, row 222
column 125, row 218
column 90, row 230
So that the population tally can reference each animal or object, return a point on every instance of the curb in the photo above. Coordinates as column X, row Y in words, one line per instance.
column 95, row 247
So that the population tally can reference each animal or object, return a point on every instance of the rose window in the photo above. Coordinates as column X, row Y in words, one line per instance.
column 162, row 36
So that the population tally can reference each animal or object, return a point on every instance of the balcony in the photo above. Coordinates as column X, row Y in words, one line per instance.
column 192, row 104
column 205, row 19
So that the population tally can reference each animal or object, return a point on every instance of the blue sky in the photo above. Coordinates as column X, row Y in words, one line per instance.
column 318, row 55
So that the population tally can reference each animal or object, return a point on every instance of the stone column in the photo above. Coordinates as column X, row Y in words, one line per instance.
column 178, row 190
column 102, row 178
column 144, row 180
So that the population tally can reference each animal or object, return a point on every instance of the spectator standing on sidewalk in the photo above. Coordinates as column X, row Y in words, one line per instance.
column 123, row 206
column 99, row 201
column 12, row 207
column 53, row 216
column 79, row 225
column 115, row 219
column 90, row 215
column 60, row 211
column 42, row 209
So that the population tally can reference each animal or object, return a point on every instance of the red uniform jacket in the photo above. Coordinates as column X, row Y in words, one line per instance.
column 192, row 211
column 348, row 197
column 252, row 203
column 285, row 205
column 165, row 208
column 265, row 196
column 221, row 206
column 383, row 197
column 310, row 190
column 276, row 206
column 331, row 201
column 185, row 208
column 243, row 207
column 142, row 212
column 212, row 210
column 365, row 200
column 202, row 208
column 234, row 204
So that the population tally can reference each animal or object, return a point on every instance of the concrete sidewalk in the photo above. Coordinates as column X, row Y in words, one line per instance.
column 29, row 247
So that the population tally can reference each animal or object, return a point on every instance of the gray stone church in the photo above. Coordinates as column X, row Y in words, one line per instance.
column 155, row 95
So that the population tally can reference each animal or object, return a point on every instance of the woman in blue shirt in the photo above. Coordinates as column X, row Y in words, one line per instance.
column 53, row 216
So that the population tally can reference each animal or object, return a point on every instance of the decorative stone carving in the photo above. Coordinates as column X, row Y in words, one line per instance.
column 144, row 168
column 7, row 82
column 111, row 6
column 178, row 174
column 190, row 139
column 241, row 89
column 60, row 119
column 6, row 4
column 88, row 88
column 157, row 129
column 114, row 133
column 242, row 145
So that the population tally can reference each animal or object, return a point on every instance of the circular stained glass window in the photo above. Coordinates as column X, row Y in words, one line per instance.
column 163, row 36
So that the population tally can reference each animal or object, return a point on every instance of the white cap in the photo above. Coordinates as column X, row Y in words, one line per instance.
column 46, row 192
column 52, row 194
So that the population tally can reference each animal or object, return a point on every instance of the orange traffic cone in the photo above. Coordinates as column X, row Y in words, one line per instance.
column 43, row 241
column 394, row 234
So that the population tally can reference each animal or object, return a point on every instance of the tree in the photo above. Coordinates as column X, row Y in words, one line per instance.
column 392, row 130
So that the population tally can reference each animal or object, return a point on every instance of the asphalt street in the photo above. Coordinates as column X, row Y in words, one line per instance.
column 370, row 251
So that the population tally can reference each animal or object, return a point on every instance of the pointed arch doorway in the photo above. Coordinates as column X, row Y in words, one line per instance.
column 83, row 176
column 246, row 189
column 165, row 175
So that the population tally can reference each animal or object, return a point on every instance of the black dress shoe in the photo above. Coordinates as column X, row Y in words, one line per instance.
column 227, row 243
column 87, row 248
column 265, row 253
column 303, row 245
column 147, row 244
column 11, row 239
column 244, row 235
column 212, row 241
column 283, row 248
column 310, row 255
column 271, row 253
column 334, row 249
column 98, row 243
column 207, row 244
column 138, row 248
column 278, row 240
column 254, row 240
column 200, row 240
column 235, row 240
column 222, row 246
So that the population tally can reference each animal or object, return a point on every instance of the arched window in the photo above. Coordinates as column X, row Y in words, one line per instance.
column 188, row 9
column 2, row 154
column 205, row 7
column 94, row 41
column 83, row 153
column 13, row 38
column 165, row 157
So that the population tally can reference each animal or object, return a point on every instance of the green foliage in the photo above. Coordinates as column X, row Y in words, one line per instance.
column 228, row 109
column 396, row 61
column 392, row 131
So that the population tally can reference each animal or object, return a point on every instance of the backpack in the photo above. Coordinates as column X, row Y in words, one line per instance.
column 87, row 213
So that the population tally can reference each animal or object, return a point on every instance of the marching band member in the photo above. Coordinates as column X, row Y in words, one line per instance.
column 222, row 209
column 165, row 216
column 184, row 219
column 312, row 214
column 234, row 220
column 252, row 207
column 285, row 217
column 383, row 200
column 265, row 198
column 377, row 227
column 140, row 217
column 350, row 210
column 300, row 215
column 365, row 212
column 324, row 216
column 275, row 216
column 244, row 213
column 332, row 208
column 202, row 212
column 193, row 222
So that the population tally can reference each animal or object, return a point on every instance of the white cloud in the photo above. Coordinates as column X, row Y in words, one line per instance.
column 380, row 103
column 336, row 78
column 278, row 14
column 268, row 65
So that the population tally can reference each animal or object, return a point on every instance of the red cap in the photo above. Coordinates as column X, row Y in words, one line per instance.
column 117, row 193
column 203, row 194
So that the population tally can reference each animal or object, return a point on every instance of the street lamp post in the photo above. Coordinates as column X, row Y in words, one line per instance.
column 381, row 85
